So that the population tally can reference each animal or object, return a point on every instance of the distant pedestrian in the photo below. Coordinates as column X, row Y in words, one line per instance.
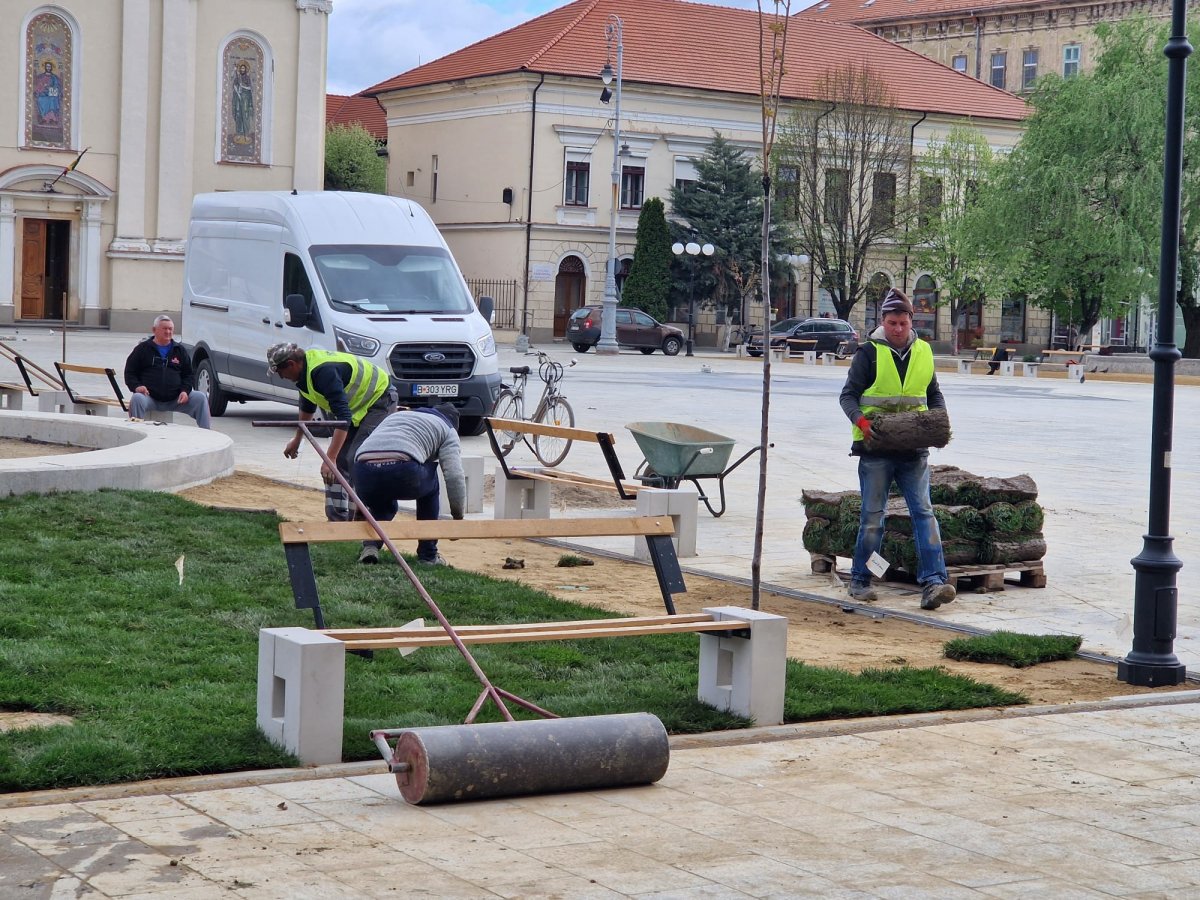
column 999, row 355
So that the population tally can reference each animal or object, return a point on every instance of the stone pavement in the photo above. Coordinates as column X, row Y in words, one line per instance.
column 1087, row 802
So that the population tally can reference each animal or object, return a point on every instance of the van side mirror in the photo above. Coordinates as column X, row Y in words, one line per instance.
column 295, row 308
column 487, row 306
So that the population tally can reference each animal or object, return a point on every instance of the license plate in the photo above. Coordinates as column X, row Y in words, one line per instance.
column 435, row 390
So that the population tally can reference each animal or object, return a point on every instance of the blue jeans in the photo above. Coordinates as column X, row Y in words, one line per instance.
column 380, row 484
column 875, row 477
column 196, row 406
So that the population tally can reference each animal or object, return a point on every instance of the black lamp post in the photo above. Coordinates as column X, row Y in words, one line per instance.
column 1152, row 661
column 691, row 248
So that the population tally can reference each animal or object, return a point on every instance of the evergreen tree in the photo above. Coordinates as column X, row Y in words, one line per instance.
column 723, row 207
column 649, row 281
column 352, row 162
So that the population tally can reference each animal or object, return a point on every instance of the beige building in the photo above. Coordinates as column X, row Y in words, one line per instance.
column 118, row 112
column 1005, row 43
column 509, row 147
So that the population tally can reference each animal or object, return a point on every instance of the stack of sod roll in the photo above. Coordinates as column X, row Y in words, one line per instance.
column 983, row 521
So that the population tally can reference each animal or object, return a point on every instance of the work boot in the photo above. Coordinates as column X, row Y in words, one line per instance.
column 438, row 560
column 934, row 594
column 863, row 592
column 369, row 555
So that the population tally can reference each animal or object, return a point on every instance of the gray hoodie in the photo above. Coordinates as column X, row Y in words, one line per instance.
column 424, row 436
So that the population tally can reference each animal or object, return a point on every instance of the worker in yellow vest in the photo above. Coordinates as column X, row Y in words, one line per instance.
column 893, row 372
column 346, row 388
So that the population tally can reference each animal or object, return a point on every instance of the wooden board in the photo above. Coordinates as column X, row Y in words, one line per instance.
column 450, row 529
column 574, row 478
column 355, row 634
column 562, row 431
column 545, row 631
column 980, row 578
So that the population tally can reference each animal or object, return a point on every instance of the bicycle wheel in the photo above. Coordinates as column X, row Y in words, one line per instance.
column 508, row 406
column 553, row 450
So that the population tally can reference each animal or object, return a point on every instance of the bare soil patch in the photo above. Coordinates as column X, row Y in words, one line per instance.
column 819, row 634
column 24, row 448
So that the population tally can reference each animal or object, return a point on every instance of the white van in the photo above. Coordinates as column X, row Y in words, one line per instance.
column 363, row 273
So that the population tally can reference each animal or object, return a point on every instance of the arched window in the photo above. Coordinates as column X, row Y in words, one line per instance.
column 49, row 56
column 244, row 96
column 924, row 300
column 624, row 267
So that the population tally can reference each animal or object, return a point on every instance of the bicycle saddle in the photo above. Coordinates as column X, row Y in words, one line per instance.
column 519, row 370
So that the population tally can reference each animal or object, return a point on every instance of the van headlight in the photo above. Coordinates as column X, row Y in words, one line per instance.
column 356, row 343
column 486, row 346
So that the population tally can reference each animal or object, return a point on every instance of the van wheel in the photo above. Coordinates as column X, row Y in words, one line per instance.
column 470, row 426
column 206, row 380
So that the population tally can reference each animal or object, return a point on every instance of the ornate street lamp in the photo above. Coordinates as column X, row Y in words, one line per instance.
column 608, row 312
column 1152, row 661
column 691, row 248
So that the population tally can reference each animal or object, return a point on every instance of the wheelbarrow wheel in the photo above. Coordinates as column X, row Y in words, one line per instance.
column 553, row 450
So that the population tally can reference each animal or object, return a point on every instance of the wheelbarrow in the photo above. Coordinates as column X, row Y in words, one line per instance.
column 676, row 453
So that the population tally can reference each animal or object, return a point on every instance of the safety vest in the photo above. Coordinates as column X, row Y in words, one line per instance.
column 367, row 382
column 887, row 394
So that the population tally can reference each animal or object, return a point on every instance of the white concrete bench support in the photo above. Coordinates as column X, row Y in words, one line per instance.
column 964, row 366
column 1075, row 373
column 1008, row 367
column 473, row 470
column 1031, row 369
column 745, row 676
column 682, row 505
column 827, row 359
column 301, row 692
column 12, row 398
column 521, row 498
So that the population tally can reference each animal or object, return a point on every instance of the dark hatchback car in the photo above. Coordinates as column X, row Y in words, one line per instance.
column 835, row 336
column 634, row 329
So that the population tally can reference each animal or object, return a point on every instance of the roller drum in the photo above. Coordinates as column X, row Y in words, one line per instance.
column 452, row 763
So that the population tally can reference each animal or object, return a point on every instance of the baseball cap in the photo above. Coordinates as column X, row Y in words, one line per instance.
column 278, row 354
column 894, row 302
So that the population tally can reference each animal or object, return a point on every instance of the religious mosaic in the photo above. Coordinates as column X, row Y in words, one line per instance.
column 48, row 82
column 242, row 101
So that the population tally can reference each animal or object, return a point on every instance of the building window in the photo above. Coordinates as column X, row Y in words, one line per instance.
column 433, row 179
column 787, row 193
column 883, row 200
column 1029, row 61
column 576, row 191
column 959, row 63
column 925, row 301
column 930, row 199
column 1012, row 319
column 48, row 82
column 837, row 195
column 999, row 68
column 1071, row 60
column 633, row 186
column 685, row 173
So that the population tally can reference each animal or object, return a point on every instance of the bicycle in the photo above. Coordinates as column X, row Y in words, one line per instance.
column 552, row 409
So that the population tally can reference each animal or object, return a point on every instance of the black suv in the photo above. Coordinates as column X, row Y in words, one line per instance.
column 634, row 329
column 835, row 336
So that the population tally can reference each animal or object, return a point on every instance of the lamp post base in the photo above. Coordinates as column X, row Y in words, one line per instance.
column 1149, row 674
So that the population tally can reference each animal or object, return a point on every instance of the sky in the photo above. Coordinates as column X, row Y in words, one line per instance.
column 373, row 40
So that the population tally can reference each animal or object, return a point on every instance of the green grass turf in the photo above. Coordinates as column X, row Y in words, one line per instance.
column 1009, row 648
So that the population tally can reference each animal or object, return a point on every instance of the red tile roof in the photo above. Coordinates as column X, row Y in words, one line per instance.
column 874, row 11
column 675, row 43
column 364, row 111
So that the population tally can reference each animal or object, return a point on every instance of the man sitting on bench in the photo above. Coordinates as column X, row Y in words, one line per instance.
column 399, row 461
column 159, row 375
column 1000, row 355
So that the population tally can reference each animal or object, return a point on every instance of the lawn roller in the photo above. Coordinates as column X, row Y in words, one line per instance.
column 675, row 452
column 447, row 763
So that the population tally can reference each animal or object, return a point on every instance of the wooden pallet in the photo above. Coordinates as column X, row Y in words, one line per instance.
column 982, row 579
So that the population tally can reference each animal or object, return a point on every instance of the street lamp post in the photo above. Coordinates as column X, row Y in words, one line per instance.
column 608, row 313
column 691, row 248
column 1152, row 661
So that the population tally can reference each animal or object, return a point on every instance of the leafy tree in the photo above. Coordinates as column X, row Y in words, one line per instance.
column 352, row 162
column 723, row 207
column 842, row 162
column 1072, row 217
column 649, row 281
column 961, row 165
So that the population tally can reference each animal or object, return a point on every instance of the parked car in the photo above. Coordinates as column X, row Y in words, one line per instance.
column 836, row 336
column 634, row 329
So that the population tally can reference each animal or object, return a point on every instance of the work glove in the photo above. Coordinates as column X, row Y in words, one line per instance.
column 864, row 425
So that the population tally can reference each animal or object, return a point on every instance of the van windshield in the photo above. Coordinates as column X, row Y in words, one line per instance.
column 375, row 279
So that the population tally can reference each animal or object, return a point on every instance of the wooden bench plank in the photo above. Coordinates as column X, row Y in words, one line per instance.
column 357, row 634
column 555, row 475
column 451, row 529
column 514, row 634
column 63, row 368
column 562, row 431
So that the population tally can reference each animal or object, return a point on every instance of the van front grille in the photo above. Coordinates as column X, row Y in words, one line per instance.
column 432, row 362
